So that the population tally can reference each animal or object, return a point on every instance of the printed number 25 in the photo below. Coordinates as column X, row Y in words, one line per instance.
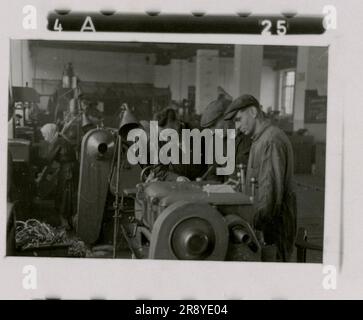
column 280, row 27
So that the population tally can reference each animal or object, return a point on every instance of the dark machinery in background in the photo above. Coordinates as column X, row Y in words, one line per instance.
column 20, row 175
column 21, row 138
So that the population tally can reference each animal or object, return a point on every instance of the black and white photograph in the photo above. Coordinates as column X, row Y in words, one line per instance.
column 174, row 151
column 184, row 156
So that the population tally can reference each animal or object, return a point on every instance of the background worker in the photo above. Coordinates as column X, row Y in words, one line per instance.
column 213, row 118
column 63, row 152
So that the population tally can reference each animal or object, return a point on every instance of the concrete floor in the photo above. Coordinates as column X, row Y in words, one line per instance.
column 310, row 205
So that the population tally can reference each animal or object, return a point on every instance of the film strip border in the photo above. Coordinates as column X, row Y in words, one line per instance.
column 198, row 22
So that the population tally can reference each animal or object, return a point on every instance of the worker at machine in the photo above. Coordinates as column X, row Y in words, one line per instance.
column 62, row 151
column 271, row 163
column 168, row 119
column 213, row 118
column 91, row 117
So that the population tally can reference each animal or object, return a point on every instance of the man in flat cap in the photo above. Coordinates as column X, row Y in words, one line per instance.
column 213, row 118
column 213, row 114
column 271, row 164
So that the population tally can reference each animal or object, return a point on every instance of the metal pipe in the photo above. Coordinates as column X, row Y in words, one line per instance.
column 212, row 167
column 253, row 188
column 240, row 235
column 241, row 168
column 116, row 202
column 113, row 163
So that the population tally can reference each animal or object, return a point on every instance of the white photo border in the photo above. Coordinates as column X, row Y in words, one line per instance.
column 154, row 279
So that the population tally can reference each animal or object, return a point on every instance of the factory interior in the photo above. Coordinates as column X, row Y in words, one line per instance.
column 48, row 77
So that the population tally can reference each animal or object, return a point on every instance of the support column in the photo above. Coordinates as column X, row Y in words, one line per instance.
column 300, row 87
column 318, row 70
column 207, row 75
column 247, row 70
column 21, row 63
column 311, row 74
column 176, row 79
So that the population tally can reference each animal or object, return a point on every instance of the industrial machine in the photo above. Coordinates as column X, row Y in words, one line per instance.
column 166, row 217
column 187, row 220
column 162, row 215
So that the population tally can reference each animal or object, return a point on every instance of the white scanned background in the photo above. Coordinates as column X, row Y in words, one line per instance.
column 135, row 279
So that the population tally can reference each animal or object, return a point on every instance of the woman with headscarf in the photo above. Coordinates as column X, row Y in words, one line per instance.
column 49, row 132
column 62, row 151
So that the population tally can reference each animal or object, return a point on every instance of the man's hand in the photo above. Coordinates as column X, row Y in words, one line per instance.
column 262, row 218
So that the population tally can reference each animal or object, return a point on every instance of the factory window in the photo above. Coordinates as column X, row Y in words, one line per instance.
column 287, row 87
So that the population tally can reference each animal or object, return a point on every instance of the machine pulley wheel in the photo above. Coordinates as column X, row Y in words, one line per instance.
column 189, row 231
column 193, row 239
